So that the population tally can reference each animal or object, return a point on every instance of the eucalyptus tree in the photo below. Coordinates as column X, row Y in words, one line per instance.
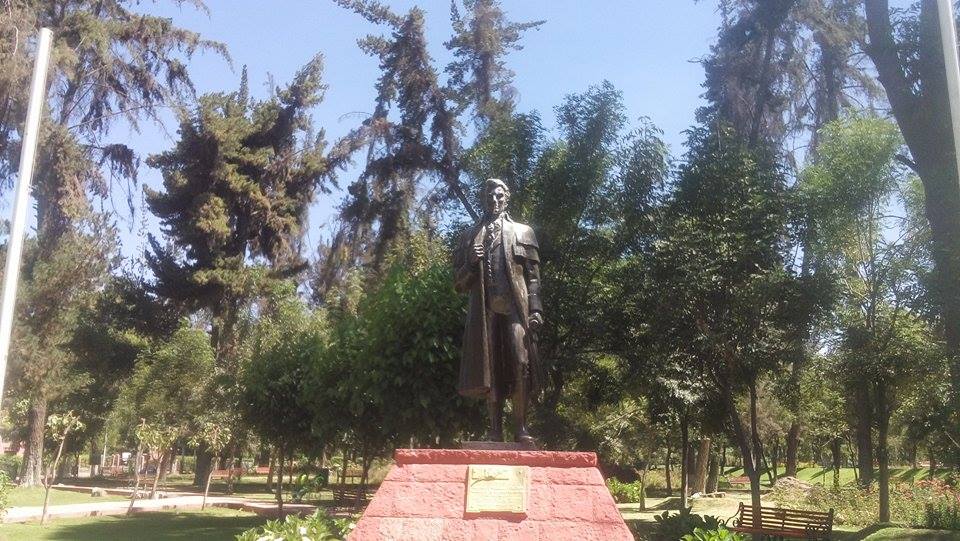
column 112, row 66
column 905, row 46
column 882, row 343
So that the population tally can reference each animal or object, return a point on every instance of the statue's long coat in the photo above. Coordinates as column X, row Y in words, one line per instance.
column 522, row 256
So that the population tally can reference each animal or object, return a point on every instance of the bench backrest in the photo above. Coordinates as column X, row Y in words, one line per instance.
column 785, row 520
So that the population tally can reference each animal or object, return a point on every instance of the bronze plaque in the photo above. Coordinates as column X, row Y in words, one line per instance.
column 497, row 489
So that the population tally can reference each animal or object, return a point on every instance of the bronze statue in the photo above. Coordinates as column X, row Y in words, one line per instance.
column 497, row 262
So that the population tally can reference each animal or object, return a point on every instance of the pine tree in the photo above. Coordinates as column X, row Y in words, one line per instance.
column 110, row 65
column 236, row 188
column 415, row 132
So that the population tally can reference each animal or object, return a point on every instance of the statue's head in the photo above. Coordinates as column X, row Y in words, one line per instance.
column 496, row 195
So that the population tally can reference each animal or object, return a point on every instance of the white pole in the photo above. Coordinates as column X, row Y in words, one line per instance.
column 28, row 150
column 948, row 39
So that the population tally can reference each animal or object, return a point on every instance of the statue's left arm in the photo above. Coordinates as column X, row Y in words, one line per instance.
column 527, row 240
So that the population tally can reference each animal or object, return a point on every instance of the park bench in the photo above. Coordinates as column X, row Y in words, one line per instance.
column 739, row 481
column 780, row 523
column 223, row 474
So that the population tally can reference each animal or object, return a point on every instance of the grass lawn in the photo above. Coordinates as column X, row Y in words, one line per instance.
column 820, row 476
column 213, row 524
column 879, row 533
column 33, row 496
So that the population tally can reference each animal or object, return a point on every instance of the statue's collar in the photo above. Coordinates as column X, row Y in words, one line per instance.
column 486, row 220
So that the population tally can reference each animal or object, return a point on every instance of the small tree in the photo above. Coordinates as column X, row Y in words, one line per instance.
column 215, row 435
column 59, row 427
column 158, row 440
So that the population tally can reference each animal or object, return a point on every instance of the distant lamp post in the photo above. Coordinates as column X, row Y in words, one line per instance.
column 28, row 151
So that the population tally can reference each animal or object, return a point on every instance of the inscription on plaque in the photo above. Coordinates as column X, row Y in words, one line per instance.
column 497, row 489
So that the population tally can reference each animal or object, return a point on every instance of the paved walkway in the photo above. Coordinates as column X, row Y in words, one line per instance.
column 182, row 501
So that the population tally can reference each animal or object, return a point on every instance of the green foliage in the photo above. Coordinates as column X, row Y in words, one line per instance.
column 912, row 503
column 5, row 488
column 306, row 484
column 624, row 492
column 10, row 465
column 942, row 515
column 316, row 527
column 274, row 380
column 59, row 425
column 167, row 388
column 387, row 372
column 672, row 526
column 719, row 534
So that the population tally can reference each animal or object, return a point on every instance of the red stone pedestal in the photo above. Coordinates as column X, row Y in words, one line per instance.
column 423, row 498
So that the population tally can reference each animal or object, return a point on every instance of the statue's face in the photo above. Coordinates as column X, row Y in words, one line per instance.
column 496, row 201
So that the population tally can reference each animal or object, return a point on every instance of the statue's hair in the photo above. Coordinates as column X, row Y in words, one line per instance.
column 491, row 183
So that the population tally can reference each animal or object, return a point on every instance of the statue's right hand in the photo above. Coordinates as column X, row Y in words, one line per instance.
column 477, row 254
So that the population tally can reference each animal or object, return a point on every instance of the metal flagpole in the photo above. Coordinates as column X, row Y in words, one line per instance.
column 948, row 39
column 28, row 150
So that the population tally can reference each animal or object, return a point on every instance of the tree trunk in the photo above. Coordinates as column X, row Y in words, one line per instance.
column 643, row 485
column 774, row 460
column 703, row 464
column 864, row 412
column 933, row 464
column 48, row 482
column 136, row 479
column 837, row 453
column 924, row 120
column 714, row 475
column 883, row 425
column 749, row 444
column 206, row 486
column 793, row 445
column 31, row 472
column 280, row 457
column 230, row 461
column 667, row 472
column 273, row 465
column 156, row 476
column 684, row 453
column 203, row 465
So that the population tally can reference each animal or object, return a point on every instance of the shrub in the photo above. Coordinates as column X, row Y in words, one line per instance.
column 10, row 465
column 720, row 534
column 316, row 527
column 624, row 492
column 5, row 487
column 912, row 504
column 942, row 515
column 672, row 527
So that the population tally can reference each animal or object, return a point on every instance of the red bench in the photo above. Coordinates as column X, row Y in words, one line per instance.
column 223, row 474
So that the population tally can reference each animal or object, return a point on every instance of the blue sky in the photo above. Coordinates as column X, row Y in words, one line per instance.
column 647, row 49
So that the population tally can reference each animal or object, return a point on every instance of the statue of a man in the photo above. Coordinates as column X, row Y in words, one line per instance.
column 497, row 263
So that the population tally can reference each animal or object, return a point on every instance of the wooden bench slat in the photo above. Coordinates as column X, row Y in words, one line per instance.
column 775, row 521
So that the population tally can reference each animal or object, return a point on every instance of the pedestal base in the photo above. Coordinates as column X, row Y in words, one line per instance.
column 498, row 446
column 424, row 498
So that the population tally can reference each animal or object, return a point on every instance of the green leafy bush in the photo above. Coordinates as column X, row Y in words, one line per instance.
column 912, row 504
column 942, row 515
column 720, row 534
column 5, row 488
column 624, row 492
column 306, row 484
column 671, row 527
column 10, row 465
column 316, row 527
